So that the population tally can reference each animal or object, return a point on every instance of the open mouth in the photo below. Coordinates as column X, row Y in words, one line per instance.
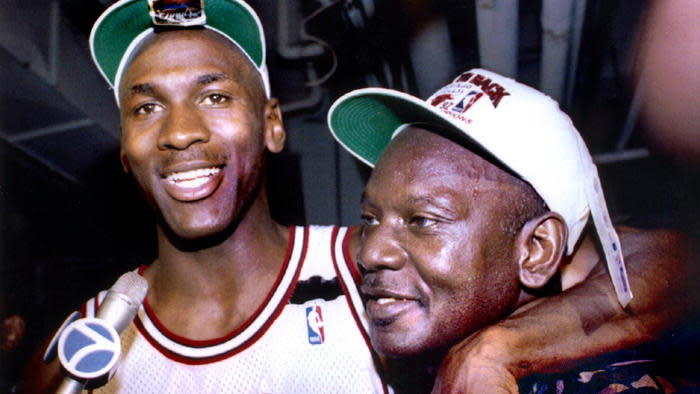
column 193, row 184
column 385, row 307
column 389, row 300
column 192, row 178
column 385, row 311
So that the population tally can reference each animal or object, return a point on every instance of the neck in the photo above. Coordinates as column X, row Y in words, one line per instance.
column 414, row 374
column 221, row 280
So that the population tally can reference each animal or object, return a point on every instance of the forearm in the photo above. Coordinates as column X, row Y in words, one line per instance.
column 552, row 334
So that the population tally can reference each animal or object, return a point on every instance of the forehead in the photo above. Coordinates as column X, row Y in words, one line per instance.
column 424, row 154
column 168, row 50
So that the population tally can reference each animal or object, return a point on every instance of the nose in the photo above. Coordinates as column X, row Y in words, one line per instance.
column 183, row 127
column 381, row 249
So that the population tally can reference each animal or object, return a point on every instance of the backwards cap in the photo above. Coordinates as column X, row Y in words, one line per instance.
column 121, row 29
column 521, row 127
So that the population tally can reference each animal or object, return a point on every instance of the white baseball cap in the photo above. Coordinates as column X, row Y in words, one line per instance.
column 519, row 126
column 120, row 30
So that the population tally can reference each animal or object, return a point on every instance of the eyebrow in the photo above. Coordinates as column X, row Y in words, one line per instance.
column 148, row 88
column 206, row 79
column 141, row 88
column 438, row 201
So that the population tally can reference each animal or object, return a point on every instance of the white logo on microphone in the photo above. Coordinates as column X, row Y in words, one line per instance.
column 89, row 348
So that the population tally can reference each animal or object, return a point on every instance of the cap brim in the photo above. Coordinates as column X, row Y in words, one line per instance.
column 121, row 23
column 113, row 33
column 364, row 121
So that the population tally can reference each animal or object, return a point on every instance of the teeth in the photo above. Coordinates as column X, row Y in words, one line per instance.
column 194, row 178
column 382, row 301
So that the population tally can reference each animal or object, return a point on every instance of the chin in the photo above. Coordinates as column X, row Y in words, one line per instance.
column 397, row 345
column 196, row 231
column 193, row 234
column 411, row 344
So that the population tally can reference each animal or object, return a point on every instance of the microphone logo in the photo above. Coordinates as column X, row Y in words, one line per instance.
column 89, row 348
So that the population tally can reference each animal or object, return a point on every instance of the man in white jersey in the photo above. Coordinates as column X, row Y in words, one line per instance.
column 477, row 196
column 236, row 302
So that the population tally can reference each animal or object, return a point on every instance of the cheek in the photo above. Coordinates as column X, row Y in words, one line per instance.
column 137, row 164
column 471, row 285
column 449, row 262
column 136, row 144
column 242, row 134
column 137, row 157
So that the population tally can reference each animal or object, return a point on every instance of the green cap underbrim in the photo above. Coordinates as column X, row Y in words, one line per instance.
column 365, row 120
column 124, row 21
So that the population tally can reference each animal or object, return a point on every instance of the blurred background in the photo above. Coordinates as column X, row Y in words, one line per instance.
column 71, row 221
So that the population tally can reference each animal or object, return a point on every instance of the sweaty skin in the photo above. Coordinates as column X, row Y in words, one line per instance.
column 544, row 335
column 189, row 111
column 195, row 124
column 206, row 253
column 435, row 264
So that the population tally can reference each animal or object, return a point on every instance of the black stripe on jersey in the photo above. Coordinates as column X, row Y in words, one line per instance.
column 315, row 287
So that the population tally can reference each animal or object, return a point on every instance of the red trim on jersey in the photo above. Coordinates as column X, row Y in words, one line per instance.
column 200, row 344
column 348, row 298
column 356, row 277
column 84, row 306
column 352, row 265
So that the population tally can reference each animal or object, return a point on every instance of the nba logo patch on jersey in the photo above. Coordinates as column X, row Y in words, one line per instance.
column 314, row 324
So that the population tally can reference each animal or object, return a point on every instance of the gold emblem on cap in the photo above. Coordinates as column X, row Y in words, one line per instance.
column 177, row 12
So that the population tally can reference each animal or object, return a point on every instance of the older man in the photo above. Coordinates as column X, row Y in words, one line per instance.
column 477, row 196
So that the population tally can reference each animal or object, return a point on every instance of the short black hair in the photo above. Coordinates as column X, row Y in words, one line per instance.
column 526, row 205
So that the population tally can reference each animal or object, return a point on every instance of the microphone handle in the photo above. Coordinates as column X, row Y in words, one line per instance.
column 70, row 386
column 118, row 310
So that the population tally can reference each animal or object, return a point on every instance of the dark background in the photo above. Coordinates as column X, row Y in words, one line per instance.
column 71, row 221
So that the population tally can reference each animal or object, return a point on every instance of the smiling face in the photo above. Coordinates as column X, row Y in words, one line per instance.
column 195, row 124
column 435, row 260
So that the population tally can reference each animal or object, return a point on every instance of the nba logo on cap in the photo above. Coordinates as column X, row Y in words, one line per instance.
column 463, row 105
column 314, row 325
column 89, row 348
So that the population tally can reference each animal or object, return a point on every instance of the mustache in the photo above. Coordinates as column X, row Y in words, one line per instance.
column 372, row 280
column 193, row 154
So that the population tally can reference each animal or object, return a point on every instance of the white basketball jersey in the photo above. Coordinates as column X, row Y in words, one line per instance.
column 309, row 335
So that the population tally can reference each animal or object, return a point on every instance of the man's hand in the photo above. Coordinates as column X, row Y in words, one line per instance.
column 477, row 365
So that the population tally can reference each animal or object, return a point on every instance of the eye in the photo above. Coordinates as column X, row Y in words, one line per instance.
column 421, row 221
column 148, row 108
column 369, row 220
column 215, row 99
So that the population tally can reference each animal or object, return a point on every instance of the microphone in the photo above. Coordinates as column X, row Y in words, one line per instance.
column 89, row 348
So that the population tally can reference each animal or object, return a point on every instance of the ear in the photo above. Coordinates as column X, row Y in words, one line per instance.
column 124, row 160
column 122, row 155
column 540, row 246
column 274, row 129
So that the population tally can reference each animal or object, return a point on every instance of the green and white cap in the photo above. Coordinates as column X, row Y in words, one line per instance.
column 519, row 126
column 119, row 31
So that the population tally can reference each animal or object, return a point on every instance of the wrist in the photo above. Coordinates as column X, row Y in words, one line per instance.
column 502, row 346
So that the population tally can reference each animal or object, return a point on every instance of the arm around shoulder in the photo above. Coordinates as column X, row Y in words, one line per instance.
column 552, row 334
